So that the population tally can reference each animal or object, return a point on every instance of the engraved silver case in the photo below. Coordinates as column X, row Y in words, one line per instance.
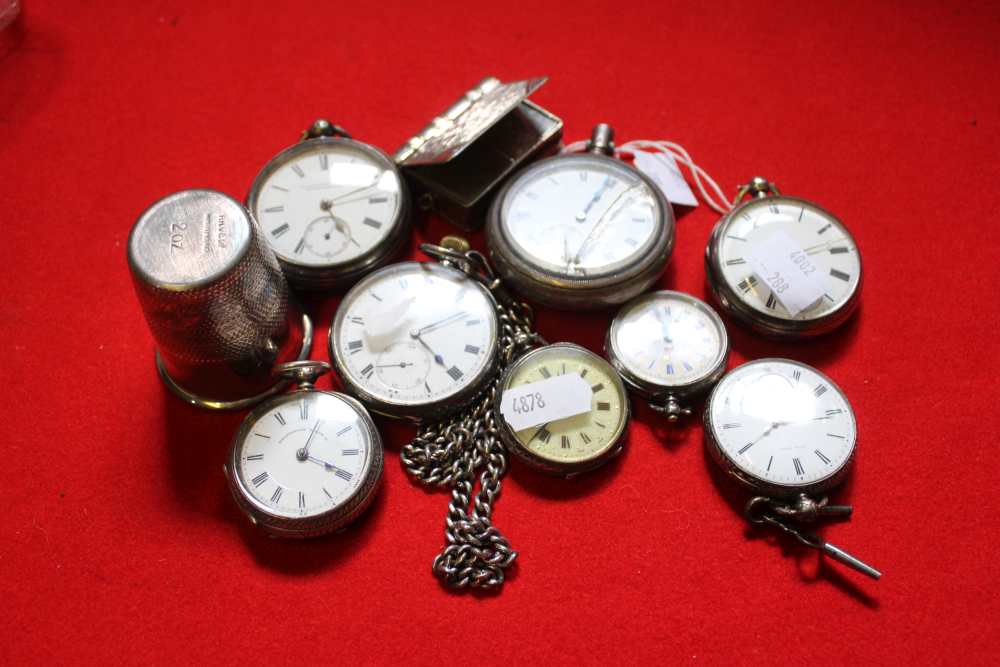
column 578, row 293
column 763, row 486
column 568, row 470
column 339, row 274
column 313, row 526
column 416, row 411
column 660, row 394
column 770, row 325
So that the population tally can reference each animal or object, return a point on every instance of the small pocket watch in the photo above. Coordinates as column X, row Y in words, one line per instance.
column 581, row 231
column 331, row 208
column 669, row 347
column 783, row 266
column 307, row 462
column 415, row 340
column 591, row 435
column 787, row 433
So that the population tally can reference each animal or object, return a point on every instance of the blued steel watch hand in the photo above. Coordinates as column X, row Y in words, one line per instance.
column 438, row 359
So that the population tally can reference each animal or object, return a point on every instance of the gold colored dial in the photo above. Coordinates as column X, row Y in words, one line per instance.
column 581, row 441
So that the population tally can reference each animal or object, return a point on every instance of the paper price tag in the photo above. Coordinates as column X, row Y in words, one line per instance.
column 792, row 275
column 546, row 401
column 663, row 170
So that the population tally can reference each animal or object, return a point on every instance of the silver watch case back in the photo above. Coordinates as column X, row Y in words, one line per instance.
column 337, row 275
column 313, row 526
column 581, row 293
column 763, row 323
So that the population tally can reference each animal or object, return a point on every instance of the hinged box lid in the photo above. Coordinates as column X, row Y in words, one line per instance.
column 459, row 159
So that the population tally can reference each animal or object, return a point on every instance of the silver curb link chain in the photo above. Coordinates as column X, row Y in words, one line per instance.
column 450, row 452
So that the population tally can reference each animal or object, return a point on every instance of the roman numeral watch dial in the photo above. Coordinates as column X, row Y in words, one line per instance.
column 331, row 208
column 787, row 433
column 668, row 347
column 565, row 410
column 783, row 266
column 781, row 428
column 307, row 462
column 581, row 231
column 415, row 340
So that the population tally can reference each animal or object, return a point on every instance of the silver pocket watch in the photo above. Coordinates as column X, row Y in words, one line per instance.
column 669, row 347
column 787, row 433
column 427, row 341
column 331, row 208
column 416, row 340
column 307, row 462
column 581, row 231
column 783, row 266
column 579, row 442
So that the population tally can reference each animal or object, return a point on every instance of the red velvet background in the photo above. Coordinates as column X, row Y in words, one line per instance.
column 118, row 540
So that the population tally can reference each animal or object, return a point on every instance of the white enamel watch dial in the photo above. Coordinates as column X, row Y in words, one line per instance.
column 781, row 427
column 667, row 341
column 305, row 463
column 580, row 218
column 820, row 242
column 330, row 208
column 415, row 339
column 580, row 442
column 580, row 231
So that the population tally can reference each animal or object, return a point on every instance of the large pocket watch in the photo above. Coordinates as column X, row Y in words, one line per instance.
column 552, row 434
column 787, row 433
column 581, row 231
column 307, row 462
column 669, row 347
column 331, row 208
column 783, row 266
column 416, row 340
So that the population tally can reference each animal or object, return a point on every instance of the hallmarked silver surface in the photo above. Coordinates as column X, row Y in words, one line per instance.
column 465, row 121
column 216, row 302
column 456, row 163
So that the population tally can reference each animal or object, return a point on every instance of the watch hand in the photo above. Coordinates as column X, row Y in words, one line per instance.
column 581, row 216
column 343, row 195
column 401, row 364
column 770, row 429
column 601, row 220
column 344, row 229
column 451, row 319
column 325, row 464
column 438, row 359
column 819, row 247
column 303, row 453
